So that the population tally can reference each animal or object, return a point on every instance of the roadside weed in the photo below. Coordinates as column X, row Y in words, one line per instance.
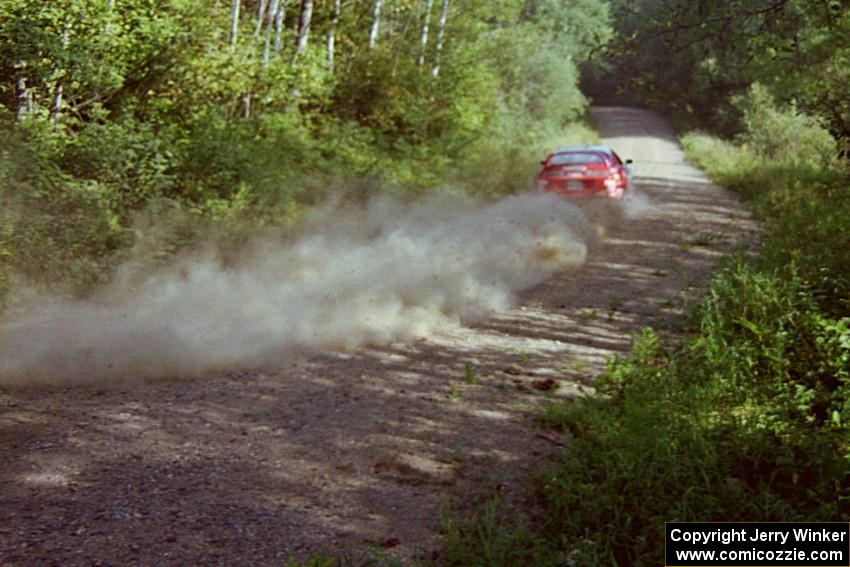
column 469, row 374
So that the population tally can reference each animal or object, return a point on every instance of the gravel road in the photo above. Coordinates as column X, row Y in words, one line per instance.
column 343, row 450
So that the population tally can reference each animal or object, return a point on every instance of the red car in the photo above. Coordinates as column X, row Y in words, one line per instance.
column 585, row 171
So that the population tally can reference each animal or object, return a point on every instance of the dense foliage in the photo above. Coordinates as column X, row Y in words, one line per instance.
column 748, row 418
column 119, row 110
column 693, row 57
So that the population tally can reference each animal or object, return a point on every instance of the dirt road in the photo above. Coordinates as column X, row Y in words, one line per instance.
column 341, row 450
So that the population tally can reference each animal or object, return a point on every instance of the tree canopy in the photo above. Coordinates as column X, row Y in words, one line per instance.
column 693, row 57
column 116, row 106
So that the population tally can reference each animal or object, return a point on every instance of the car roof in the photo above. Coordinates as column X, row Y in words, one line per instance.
column 573, row 149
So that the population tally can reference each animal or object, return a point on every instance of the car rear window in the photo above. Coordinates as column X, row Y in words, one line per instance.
column 575, row 157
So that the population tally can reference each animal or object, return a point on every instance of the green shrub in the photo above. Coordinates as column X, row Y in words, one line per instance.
column 804, row 209
column 745, row 420
column 131, row 161
column 748, row 422
column 783, row 134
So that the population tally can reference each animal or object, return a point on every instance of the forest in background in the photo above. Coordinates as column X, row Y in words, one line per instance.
column 695, row 60
column 138, row 124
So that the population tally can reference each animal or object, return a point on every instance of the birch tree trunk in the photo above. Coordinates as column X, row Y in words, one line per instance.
column 278, row 25
column 441, row 34
column 24, row 99
column 424, row 40
column 376, row 24
column 235, row 6
column 304, row 27
column 261, row 14
column 270, row 16
column 56, row 110
column 332, row 34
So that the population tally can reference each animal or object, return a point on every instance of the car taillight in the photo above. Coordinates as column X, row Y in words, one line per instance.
column 618, row 176
column 615, row 184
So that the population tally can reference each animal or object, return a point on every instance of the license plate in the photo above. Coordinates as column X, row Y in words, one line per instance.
column 575, row 185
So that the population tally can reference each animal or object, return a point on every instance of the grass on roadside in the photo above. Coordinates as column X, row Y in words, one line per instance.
column 747, row 419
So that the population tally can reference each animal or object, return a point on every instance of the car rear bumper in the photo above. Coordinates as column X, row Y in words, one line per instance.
column 615, row 194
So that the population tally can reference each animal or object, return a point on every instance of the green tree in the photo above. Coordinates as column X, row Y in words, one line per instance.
column 692, row 57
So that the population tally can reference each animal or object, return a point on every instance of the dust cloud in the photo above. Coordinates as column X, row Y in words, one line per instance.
column 387, row 271
column 637, row 205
